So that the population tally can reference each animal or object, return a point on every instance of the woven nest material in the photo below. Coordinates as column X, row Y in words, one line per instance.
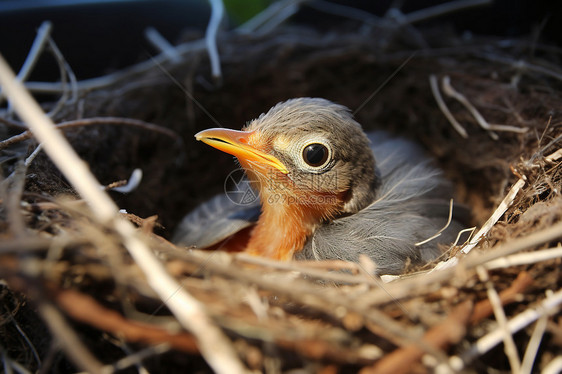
column 73, row 297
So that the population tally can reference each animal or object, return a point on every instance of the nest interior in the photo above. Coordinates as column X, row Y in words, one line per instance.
column 344, row 324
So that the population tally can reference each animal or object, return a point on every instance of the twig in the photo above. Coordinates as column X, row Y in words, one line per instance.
column 524, row 258
column 65, row 71
column 26, row 338
column 554, row 366
column 522, row 65
column 95, row 121
column 450, row 91
column 161, row 44
column 533, row 346
column 440, row 336
column 33, row 56
column 85, row 309
column 30, row 244
column 113, row 78
column 10, row 365
column 217, row 13
column 316, row 273
column 12, row 123
column 14, row 191
column 484, row 308
column 540, row 152
column 441, row 103
column 513, row 246
column 68, row 339
column 487, row 342
column 508, row 342
column 6, row 361
column 215, row 347
column 302, row 292
column 500, row 210
column 26, row 163
column 278, row 19
column 137, row 357
column 442, row 9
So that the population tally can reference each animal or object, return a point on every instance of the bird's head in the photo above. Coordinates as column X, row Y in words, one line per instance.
column 308, row 157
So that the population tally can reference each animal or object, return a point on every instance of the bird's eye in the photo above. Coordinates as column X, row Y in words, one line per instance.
column 315, row 154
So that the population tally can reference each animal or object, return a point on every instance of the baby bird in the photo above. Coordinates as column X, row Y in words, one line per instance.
column 326, row 190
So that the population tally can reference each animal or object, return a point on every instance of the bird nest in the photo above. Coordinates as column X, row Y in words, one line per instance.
column 81, row 291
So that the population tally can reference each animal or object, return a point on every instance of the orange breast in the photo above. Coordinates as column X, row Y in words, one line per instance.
column 234, row 243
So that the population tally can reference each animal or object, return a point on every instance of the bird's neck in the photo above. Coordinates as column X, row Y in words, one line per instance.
column 284, row 225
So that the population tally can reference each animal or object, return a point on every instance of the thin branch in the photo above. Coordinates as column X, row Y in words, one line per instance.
column 277, row 20
column 7, row 362
column 217, row 14
column 14, row 193
column 554, row 366
column 26, row 338
column 85, row 309
column 440, row 336
column 10, row 365
column 139, row 356
column 450, row 91
column 307, row 295
column 68, row 339
column 500, row 210
column 484, row 309
column 539, row 237
column 37, row 47
column 533, row 346
column 113, row 78
column 66, row 71
column 311, row 272
column 26, row 164
column 215, row 346
column 547, row 307
column 441, row 104
column 508, row 342
column 522, row 65
column 524, row 258
column 95, row 121
column 12, row 123
column 161, row 44
column 442, row 9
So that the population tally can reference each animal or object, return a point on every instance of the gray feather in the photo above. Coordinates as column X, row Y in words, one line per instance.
column 214, row 221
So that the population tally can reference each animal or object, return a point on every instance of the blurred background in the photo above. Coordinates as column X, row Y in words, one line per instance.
column 101, row 36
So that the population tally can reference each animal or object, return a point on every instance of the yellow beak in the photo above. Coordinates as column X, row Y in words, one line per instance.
column 236, row 143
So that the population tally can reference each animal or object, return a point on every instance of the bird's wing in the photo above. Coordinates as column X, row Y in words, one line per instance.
column 412, row 205
column 215, row 220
